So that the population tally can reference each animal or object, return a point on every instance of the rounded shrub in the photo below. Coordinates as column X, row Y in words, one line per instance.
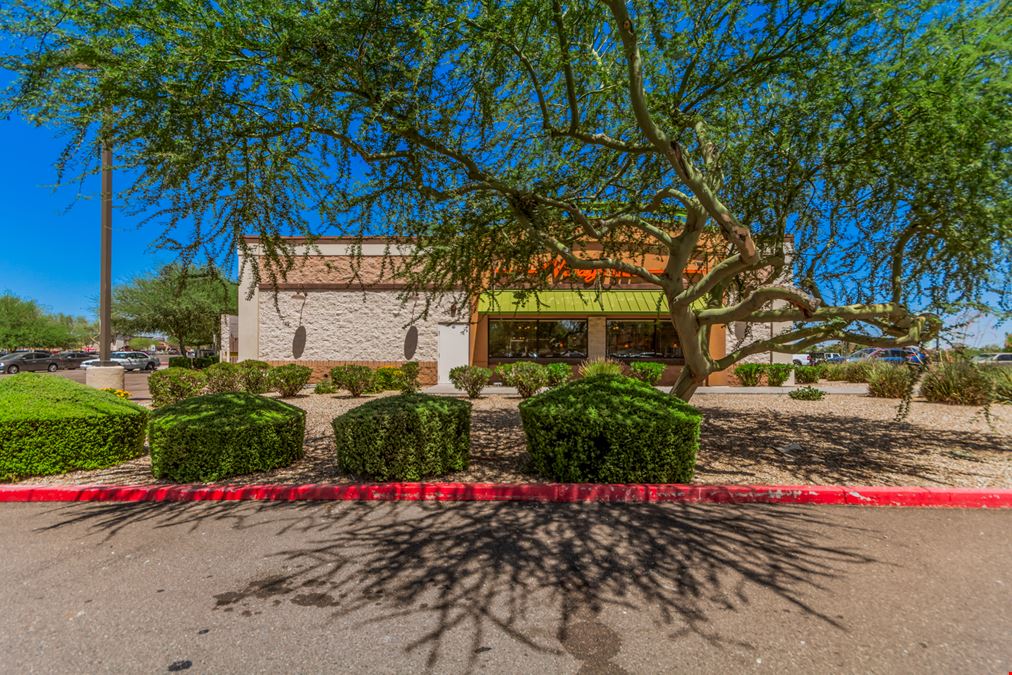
column 600, row 366
column 180, row 362
column 325, row 387
column 856, row 371
column 886, row 380
column 410, row 373
column 835, row 372
column 51, row 425
column 807, row 394
column 175, row 384
column 558, row 373
column 470, row 379
column 957, row 383
column 749, row 374
column 222, row 377
column 613, row 430
column 216, row 436
column 807, row 374
column 387, row 378
column 356, row 379
column 289, row 379
column 405, row 437
column 648, row 372
column 255, row 376
column 777, row 373
column 528, row 377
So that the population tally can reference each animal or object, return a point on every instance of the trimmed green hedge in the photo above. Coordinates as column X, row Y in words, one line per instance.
column 212, row 437
column 405, row 437
column 51, row 425
column 175, row 384
column 611, row 429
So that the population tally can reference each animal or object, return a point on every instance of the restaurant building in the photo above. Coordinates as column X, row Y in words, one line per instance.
column 341, row 304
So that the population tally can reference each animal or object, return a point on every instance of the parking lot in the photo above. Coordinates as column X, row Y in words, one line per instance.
column 135, row 382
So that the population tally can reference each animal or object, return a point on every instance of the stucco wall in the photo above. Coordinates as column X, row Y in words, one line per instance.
column 345, row 326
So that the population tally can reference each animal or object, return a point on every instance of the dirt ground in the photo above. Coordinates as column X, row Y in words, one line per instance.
column 746, row 439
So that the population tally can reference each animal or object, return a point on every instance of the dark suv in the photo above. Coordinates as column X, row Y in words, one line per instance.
column 15, row 362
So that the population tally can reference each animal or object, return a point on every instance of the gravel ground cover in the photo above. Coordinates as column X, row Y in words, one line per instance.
column 746, row 439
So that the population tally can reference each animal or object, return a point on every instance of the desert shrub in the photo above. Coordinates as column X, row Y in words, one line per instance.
column 886, row 380
column 611, row 429
column 835, row 372
column 777, row 373
column 355, row 379
column 289, row 379
column 325, row 386
column 470, row 379
column 528, row 377
column 175, row 384
column 957, row 383
column 410, row 372
column 202, row 362
column 857, row 371
column 216, row 436
column 51, row 425
column 749, row 374
column 255, row 376
column 387, row 378
column 118, row 393
column 180, row 362
column 222, row 377
column 405, row 437
column 600, row 366
column 558, row 373
column 648, row 372
column 807, row 394
column 1001, row 379
column 807, row 374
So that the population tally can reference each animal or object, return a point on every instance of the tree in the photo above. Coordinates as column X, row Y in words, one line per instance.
column 517, row 135
column 185, row 304
column 23, row 324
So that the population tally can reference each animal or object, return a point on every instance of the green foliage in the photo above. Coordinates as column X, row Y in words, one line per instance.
column 180, row 362
column 410, row 371
column 51, row 425
column 470, row 379
column 808, row 374
column 749, row 374
column 255, row 376
column 600, row 366
column 611, row 429
column 217, row 436
column 835, row 372
column 23, row 324
column 326, row 387
column 184, row 303
column 404, row 437
column 558, row 373
column 887, row 380
column 1001, row 379
column 957, row 383
column 807, row 394
column 777, row 373
column 856, row 371
column 388, row 378
column 175, row 384
column 202, row 362
column 357, row 380
column 648, row 372
column 289, row 379
column 528, row 377
column 222, row 378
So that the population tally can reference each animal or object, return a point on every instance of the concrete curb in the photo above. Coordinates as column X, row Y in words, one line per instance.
column 552, row 492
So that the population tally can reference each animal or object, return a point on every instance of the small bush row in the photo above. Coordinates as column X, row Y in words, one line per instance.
column 252, row 377
column 359, row 380
column 752, row 374
column 529, row 377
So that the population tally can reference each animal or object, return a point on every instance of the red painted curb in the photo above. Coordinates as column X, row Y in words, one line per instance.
column 552, row 492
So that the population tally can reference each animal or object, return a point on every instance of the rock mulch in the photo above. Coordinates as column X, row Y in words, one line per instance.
column 746, row 439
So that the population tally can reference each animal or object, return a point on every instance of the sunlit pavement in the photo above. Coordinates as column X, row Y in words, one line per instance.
column 503, row 587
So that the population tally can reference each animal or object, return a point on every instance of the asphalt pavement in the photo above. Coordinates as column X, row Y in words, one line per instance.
column 503, row 587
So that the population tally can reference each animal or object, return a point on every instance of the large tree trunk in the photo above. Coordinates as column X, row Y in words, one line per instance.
column 685, row 386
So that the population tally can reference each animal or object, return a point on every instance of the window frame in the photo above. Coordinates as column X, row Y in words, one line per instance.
column 492, row 359
column 669, row 360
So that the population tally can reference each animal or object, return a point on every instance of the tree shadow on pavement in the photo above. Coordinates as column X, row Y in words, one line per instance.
column 513, row 568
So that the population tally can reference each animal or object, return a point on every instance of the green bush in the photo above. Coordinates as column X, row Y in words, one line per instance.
column 325, row 387
column 835, row 372
column 957, row 383
column 887, row 380
column 749, row 374
column 221, row 435
column 777, row 373
column 387, row 378
column 807, row 374
column 600, row 366
column 807, row 394
column 857, row 371
column 611, row 429
column 255, row 376
column 405, row 437
column 410, row 371
column 648, row 372
column 1001, row 379
column 355, row 379
column 180, row 362
column 558, row 373
column 202, row 362
column 289, row 379
column 470, row 379
column 175, row 384
column 528, row 377
column 222, row 378
column 51, row 425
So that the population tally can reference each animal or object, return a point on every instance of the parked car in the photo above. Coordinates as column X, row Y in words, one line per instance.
column 129, row 360
column 71, row 360
column 1003, row 359
column 27, row 361
column 815, row 358
column 909, row 355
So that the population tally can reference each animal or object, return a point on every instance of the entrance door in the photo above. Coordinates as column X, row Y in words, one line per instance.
column 454, row 343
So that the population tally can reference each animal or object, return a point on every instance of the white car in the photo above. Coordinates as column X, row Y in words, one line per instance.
column 1003, row 359
column 129, row 361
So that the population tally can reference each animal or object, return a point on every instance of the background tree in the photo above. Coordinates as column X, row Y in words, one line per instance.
column 514, row 135
column 184, row 304
column 23, row 324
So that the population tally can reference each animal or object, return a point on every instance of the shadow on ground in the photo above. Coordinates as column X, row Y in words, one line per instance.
column 504, row 568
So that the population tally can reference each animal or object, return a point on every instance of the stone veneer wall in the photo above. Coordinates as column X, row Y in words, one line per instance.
column 343, row 327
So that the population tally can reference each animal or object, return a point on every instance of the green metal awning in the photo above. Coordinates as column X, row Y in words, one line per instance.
column 574, row 302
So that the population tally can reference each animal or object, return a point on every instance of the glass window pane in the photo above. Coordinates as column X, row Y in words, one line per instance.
column 667, row 341
column 512, row 339
column 631, row 339
column 562, row 339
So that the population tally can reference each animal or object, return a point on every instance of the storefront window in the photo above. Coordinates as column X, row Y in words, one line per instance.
column 643, row 340
column 537, row 339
